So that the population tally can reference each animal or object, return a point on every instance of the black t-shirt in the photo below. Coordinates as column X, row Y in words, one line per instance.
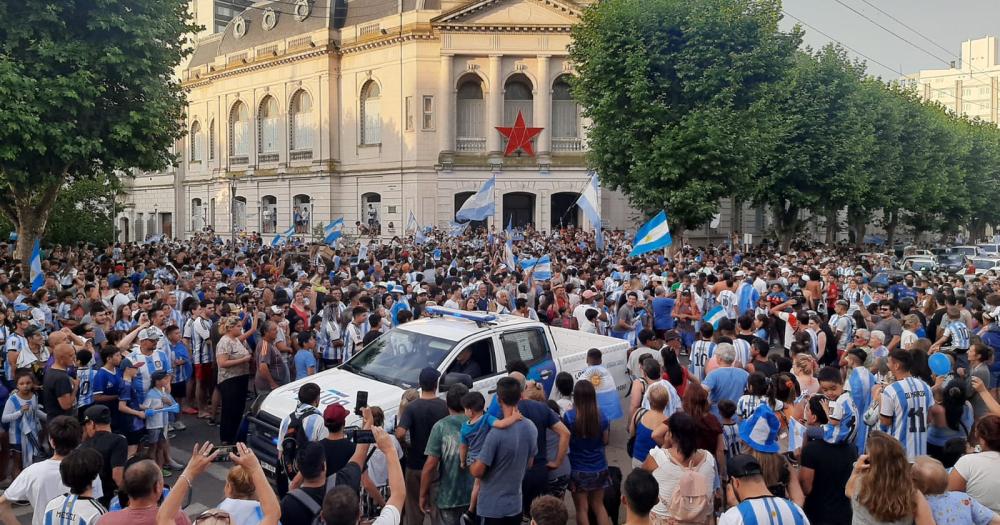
column 294, row 511
column 419, row 418
column 56, row 384
column 544, row 418
column 827, row 503
column 114, row 450
column 338, row 453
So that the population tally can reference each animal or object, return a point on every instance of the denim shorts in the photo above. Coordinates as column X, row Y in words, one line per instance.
column 589, row 481
column 155, row 435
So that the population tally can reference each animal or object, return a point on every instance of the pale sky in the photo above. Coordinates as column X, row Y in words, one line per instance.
column 941, row 26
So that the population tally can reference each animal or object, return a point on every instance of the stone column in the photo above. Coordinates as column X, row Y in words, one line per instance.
column 494, row 111
column 446, row 96
column 543, row 108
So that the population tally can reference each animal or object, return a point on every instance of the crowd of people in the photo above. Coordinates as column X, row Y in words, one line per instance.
column 814, row 385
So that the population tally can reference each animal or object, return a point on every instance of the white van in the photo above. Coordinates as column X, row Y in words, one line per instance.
column 391, row 364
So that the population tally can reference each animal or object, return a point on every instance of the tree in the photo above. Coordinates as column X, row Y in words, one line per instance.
column 675, row 90
column 823, row 140
column 83, row 211
column 88, row 90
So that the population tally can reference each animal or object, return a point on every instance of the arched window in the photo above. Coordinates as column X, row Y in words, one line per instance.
column 211, row 139
column 300, row 122
column 517, row 96
column 565, row 120
column 267, row 126
column 239, row 131
column 197, row 142
column 371, row 118
column 197, row 215
column 471, row 125
column 302, row 213
column 269, row 214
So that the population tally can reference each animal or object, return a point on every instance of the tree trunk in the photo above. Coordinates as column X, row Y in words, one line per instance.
column 832, row 227
column 890, row 228
column 857, row 222
column 786, row 225
column 32, row 215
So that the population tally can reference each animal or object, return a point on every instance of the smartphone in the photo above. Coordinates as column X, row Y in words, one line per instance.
column 361, row 402
column 361, row 437
column 224, row 449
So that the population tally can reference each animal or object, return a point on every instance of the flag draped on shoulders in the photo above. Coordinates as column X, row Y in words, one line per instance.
column 607, row 392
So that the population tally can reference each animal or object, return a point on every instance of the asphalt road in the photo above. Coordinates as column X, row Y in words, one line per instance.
column 208, row 489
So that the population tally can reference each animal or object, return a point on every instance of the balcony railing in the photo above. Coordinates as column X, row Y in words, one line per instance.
column 239, row 159
column 267, row 157
column 470, row 144
column 302, row 154
column 567, row 144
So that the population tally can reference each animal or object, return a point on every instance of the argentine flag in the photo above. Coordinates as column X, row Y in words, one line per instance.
column 37, row 277
column 653, row 235
column 419, row 237
column 541, row 268
column 590, row 205
column 796, row 434
column 714, row 315
column 607, row 394
column 457, row 228
column 481, row 205
column 411, row 223
column 508, row 255
column 333, row 231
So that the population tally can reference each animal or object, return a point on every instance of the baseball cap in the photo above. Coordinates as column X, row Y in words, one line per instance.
column 743, row 465
column 149, row 333
column 589, row 294
column 99, row 414
column 671, row 335
column 335, row 414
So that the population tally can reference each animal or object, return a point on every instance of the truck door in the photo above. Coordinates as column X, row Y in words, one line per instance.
column 531, row 346
column 483, row 353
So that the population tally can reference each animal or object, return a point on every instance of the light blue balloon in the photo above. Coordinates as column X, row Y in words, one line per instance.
column 940, row 364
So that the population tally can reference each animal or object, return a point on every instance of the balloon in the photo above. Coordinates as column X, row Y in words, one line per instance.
column 940, row 364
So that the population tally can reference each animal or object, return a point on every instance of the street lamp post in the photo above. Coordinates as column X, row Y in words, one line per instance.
column 232, row 208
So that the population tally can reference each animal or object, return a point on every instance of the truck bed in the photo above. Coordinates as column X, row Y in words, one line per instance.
column 571, row 349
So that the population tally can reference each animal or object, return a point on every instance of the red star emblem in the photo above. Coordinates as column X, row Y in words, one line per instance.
column 519, row 136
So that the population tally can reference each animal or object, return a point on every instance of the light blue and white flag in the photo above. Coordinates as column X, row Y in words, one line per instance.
column 608, row 401
column 411, row 223
column 333, row 231
column 715, row 315
column 481, row 205
column 362, row 252
column 37, row 277
column 508, row 255
column 589, row 203
column 456, row 229
column 796, row 434
column 436, row 254
column 653, row 235
column 419, row 237
column 540, row 268
column 509, row 231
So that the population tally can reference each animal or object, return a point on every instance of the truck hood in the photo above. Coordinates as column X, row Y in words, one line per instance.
column 336, row 386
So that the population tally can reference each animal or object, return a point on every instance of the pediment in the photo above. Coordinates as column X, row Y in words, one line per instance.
column 511, row 13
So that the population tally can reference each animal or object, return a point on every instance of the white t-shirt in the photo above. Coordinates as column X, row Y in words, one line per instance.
column 378, row 470
column 668, row 474
column 981, row 480
column 389, row 516
column 39, row 484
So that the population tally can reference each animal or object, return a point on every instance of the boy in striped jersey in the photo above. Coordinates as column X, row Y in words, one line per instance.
column 754, row 502
column 702, row 351
column 842, row 414
column 906, row 405
column 860, row 383
column 957, row 333
column 85, row 375
column 78, row 506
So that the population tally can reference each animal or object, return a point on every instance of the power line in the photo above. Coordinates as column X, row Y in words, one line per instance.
column 866, row 57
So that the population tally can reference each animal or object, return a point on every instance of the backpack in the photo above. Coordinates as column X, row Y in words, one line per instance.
column 692, row 502
column 310, row 504
column 295, row 439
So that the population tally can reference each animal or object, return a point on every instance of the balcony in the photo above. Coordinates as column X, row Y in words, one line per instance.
column 470, row 145
column 302, row 154
column 239, row 159
column 265, row 158
column 567, row 145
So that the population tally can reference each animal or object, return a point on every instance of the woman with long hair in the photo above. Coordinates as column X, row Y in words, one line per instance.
column 673, row 371
column 881, row 486
column 668, row 462
column 950, row 420
column 588, row 461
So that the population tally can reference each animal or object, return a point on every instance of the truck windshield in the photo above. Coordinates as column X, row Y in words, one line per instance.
column 398, row 356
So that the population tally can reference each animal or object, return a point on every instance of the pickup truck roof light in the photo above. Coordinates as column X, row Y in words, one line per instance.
column 476, row 317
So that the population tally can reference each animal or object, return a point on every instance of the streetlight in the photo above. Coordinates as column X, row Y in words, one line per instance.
column 232, row 208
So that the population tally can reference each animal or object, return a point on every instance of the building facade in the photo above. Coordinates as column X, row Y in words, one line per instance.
column 968, row 88
column 303, row 111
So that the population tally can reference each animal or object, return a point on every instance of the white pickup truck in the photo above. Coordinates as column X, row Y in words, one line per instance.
column 391, row 364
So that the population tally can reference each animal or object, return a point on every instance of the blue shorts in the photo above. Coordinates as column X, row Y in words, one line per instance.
column 155, row 435
column 589, row 481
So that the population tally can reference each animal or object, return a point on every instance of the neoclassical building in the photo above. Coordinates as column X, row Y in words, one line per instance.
column 301, row 111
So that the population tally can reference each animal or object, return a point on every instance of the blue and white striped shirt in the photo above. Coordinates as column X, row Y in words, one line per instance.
column 701, row 352
column 85, row 392
column 765, row 510
column 908, row 402
column 70, row 509
column 846, row 414
column 959, row 334
column 859, row 384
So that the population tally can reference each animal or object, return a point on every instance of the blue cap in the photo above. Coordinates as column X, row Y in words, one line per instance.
column 21, row 307
column 760, row 430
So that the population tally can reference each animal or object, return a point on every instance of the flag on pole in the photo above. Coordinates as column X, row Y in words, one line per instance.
column 510, row 226
column 283, row 237
column 653, row 235
column 540, row 268
column 590, row 205
column 37, row 277
column 333, row 231
column 508, row 255
column 714, row 315
column 411, row 223
column 481, row 205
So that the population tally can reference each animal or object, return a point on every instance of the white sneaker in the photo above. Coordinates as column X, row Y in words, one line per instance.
column 177, row 425
column 175, row 465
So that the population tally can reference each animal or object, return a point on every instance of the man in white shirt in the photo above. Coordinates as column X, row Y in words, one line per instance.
column 40, row 483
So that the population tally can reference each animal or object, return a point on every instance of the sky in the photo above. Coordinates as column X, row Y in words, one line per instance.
column 941, row 26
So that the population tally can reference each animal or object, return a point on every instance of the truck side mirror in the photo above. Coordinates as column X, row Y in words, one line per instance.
column 454, row 378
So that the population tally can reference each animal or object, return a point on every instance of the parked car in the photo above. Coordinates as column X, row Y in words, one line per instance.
column 966, row 250
column 983, row 265
column 989, row 249
column 951, row 262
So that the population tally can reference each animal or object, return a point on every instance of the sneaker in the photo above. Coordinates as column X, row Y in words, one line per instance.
column 175, row 465
column 166, row 473
column 170, row 435
column 177, row 425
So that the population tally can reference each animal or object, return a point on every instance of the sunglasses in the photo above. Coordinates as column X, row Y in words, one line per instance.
column 217, row 515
